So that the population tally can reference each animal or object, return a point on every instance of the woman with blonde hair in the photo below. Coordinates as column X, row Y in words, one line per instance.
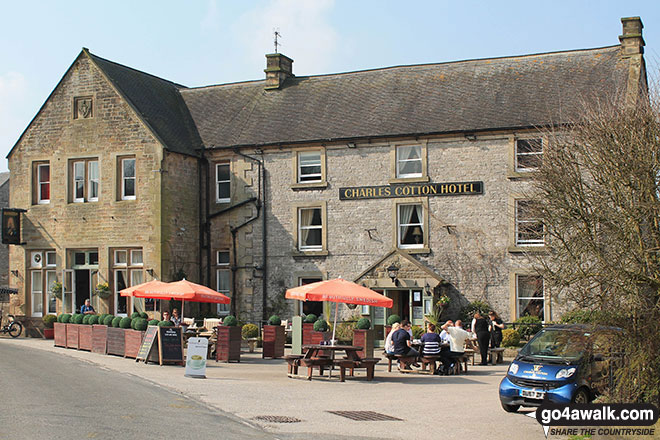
column 389, row 345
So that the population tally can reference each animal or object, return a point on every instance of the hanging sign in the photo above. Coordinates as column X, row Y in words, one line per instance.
column 412, row 190
column 196, row 357
column 11, row 225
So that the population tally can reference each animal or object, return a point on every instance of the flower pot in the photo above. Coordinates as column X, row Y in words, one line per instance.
column 72, row 335
column 273, row 341
column 307, row 329
column 60, row 334
column 85, row 337
column 115, row 343
column 49, row 333
column 132, row 342
column 364, row 339
column 99, row 338
column 228, row 345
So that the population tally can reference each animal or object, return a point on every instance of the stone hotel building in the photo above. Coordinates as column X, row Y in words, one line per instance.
column 257, row 186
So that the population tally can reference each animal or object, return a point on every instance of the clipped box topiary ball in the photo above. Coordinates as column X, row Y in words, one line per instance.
column 363, row 324
column 85, row 319
column 320, row 325
column 249, row 331
column 66, row 318
column 115, row 321
column 153, row 322
column 125, row 322
column 311, row 318
column 274, row 320
column 135, row 315
column 108, row 320
column 393, row 319
column 77, row 318
column 165, row 324
column 141, row 324
column 93, row 319
column 230, row 321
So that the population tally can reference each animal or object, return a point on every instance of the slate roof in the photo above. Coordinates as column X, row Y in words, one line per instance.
column 464, row 96
column 158, row 102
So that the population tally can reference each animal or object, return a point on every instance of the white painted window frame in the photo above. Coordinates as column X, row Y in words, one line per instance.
column 125, row 178
column 400, row 161
column 218, row 182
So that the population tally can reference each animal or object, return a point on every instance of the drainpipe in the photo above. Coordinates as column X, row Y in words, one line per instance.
column 200, row 167
column 264, row 247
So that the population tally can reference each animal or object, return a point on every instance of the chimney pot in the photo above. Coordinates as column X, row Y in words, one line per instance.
column 632, row 41
column 278, row 68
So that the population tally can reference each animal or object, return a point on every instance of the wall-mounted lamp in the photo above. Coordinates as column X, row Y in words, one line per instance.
column 15, row 273
column 151, row 273
column 471, row 136
column 351, row 145
column 391, row 272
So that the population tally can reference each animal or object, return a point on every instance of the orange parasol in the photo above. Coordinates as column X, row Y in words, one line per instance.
column 149, row 284
column 338, row 291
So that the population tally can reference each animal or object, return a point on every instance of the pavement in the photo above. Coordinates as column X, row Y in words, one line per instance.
column 452, row 406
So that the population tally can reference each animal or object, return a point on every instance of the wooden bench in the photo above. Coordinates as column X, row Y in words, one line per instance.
column 495, row 355
column 293, row 362
column 366, row 363
column 405, row 360
column 431, row 362
column 318, row 362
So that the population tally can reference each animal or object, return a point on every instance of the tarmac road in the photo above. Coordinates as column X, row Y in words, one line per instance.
column 49, row 396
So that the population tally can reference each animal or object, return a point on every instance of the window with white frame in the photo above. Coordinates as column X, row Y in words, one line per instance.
column 51, row 259
column 529, row 296
column 410, row 227
column 42, row 275
column 408, row 161
column 310, row 229
column 126, row 273
column 84, row 180
column 529, row 228
column 51, row 279
column 136, row 257
column 42, row 187
column 37, row 293
column 223, row 279
column 529, row 154
column 222, row 183
column 128, row 174
column 309, row 167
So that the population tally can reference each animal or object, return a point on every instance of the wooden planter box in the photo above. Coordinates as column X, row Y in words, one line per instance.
column 273, row 341
column 85, row 337
column 307, row 329
column 115, row 343
column 60, row 334
column 317, row 337
column 132, row 342
column 99, row 338
column 228, row 345
column 364, row 339
column 72, row 335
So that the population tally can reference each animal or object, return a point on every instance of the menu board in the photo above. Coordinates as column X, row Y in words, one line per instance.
column 379, row 315
column 148, row 344
column 170, row 345
column 417, row 312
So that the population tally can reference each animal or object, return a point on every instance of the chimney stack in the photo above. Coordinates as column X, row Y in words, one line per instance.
column 632, row 42
column 278, row 68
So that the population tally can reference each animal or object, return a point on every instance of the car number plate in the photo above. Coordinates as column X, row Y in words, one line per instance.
column 532, row 394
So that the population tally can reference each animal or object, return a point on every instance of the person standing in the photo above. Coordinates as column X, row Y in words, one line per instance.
column 496, row 327
column 480, row 328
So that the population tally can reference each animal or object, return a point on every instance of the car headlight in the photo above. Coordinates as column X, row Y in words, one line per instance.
column 565, row 373
column 513, row 368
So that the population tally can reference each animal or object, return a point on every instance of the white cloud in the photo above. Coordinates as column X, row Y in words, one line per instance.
column 307, row 35
column 211, row 18
column 15, row 106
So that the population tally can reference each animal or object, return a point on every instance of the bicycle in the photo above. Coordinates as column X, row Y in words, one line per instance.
column 13, row 327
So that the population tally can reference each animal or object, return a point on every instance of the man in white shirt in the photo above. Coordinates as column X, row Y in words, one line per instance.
column 457, row 337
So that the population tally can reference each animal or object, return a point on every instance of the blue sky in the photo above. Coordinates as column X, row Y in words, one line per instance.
column 202, row 42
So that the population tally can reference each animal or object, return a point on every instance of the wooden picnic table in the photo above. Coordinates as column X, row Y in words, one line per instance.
column 323, row 357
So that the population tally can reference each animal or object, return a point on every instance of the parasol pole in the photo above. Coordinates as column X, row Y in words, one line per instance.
column 183, row 304
column 334, row 327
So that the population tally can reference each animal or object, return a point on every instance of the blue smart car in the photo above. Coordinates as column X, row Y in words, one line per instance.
column 563, row 364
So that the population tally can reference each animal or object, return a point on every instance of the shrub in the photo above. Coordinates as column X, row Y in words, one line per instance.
column 59, row 317
column 93, row 319
column 417, row 331
column 153, row 322
column 510, row 337
column 85, row 319
column 311, row 318
column 249, row 331
column 76, row 318
column 140, row 324
column 274, row 320
column 344, row 331
column 125, row 322
column 108, row 320
column 593, row 317
column 66, row 318
column 393, row 319
column 49, row 320
column 467, row 312
column 135, row 315
column 363, row 324
column 115, row 321
column 165, row 324
column 531, row 325
column 320, row 325
column 144, row 315
column 230, row 321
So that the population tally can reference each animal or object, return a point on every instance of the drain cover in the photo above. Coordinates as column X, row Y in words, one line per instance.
column 277, row 419
column 366, row 416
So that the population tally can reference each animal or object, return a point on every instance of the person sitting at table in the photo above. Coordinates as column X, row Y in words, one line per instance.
column 166, row 316
column 87, row 309
column 431, row 341
column 457, row 337
column 402, row 342
column 175, row 319
column 389, row 345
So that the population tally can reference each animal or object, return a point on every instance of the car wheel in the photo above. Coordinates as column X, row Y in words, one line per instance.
column 510, row 408
column 581, row 396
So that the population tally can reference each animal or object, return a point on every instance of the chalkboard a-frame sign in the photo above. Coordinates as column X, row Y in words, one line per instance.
column 170, row 345
column 147, row 352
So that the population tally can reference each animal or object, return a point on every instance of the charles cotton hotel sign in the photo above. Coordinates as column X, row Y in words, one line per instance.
column 412, row 190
